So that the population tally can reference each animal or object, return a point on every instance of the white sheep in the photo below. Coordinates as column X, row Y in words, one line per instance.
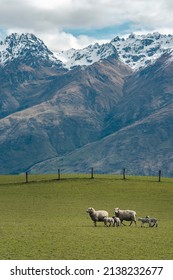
column 116, row 221
column 97, row 216
column 108, row 221
column 150, row 221
column 125, row 215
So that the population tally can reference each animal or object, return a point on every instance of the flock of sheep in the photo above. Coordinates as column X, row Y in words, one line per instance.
column 120, row 216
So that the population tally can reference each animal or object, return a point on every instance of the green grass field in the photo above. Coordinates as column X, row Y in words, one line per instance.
column 46, row 219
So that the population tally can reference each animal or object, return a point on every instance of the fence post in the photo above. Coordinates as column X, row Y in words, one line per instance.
column 159, row 175
column 124, row 173
column 59, row 174
column 26, row 177
column 92, row 173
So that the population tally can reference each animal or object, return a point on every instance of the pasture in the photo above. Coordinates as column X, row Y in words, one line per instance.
column 46, row 219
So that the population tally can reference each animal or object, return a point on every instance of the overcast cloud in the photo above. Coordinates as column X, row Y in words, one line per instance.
column 56, row 21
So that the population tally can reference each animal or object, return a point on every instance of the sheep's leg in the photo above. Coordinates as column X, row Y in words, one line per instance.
column 123, row 224
column 95, row 223
column 130, row 223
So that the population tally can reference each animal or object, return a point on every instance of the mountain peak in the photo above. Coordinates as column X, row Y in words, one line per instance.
column 137, row 51
column 87, row 55
column 26, row 47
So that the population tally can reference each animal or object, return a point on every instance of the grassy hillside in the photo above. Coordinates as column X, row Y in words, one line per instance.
column 47, row 219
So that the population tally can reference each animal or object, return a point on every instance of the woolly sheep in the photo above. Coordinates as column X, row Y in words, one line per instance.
column 125, row 215
column 109, row 220
column 116, row 221
column 97, row 216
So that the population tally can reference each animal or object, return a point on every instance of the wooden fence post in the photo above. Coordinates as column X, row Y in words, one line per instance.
column 59, row 174
column 26, row 177
column 92, row 173
column 124, row 173
column 159, row 175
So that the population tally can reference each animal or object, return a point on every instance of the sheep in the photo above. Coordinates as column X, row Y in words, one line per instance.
column 151, row 221
column 127, row 215
column 108, row 220
column 116, row 221
column 144, row 220
column 97, row 216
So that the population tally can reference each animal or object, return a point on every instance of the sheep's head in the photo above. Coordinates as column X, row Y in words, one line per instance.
column 90, row 210
column 116, row 210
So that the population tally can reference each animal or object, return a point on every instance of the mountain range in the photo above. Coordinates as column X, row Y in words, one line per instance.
column 105, row 106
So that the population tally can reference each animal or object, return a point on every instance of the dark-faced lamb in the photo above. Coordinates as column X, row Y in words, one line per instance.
column 126, row 215
column 97, row 216
column 153, row 222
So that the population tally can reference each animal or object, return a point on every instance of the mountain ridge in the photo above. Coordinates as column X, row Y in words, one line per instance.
column 104, row 114
column 136, row 51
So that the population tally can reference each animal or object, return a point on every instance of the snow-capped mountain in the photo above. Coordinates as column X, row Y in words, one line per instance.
column 27, row 47
column 136, row 51
column 86, row 56
column 137, row 133
column 103, row 115
column 141, row 50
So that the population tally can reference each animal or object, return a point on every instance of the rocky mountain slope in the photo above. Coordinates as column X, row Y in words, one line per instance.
column 138, row 135
column 92, row 111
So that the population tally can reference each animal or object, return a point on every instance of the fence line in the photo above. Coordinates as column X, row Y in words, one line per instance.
column 124, row 175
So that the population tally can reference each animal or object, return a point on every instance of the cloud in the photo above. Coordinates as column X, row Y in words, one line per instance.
column 51, row 19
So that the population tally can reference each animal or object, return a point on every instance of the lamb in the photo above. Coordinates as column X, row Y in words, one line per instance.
column 144, row 220
column 153, row 222
column 108, row 220
column 97, row 216
column 126, row 215
column 150, row 221
column 116, row 221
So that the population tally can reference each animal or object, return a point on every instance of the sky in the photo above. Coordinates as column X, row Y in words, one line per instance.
column 65, row 24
